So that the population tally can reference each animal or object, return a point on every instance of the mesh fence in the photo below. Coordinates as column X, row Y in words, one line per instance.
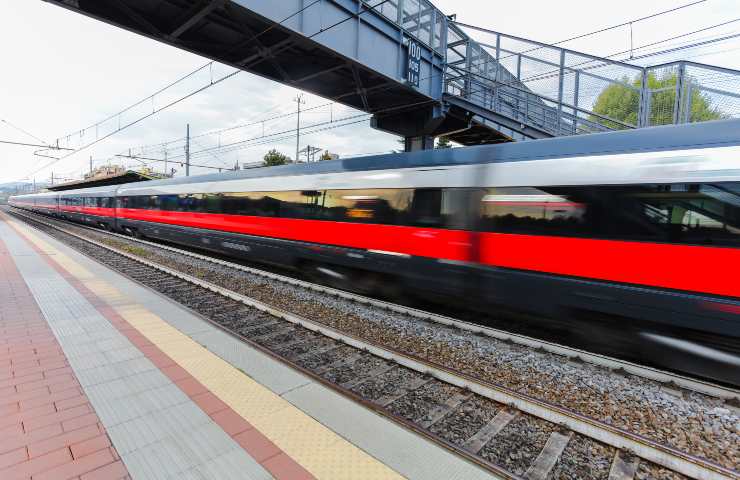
column 567, row 93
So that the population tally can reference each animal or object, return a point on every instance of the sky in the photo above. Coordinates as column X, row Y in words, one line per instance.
column 63, row 72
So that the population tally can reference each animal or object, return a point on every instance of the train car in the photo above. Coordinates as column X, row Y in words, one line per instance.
column 93, row 206
column 626, row 238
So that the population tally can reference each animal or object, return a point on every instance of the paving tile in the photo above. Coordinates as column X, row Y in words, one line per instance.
column 209, row 403
column 231, row 422
column 18, row 439
column 64, row 439
column 176, row 373
column 11, row 419
column 78, row 466
column 79, row 422
column 57, row 417
column 191, row 386
column 36, row 465
column 73, row 391
column 283, row 467
column 71, row 402
column 89, row 446
column 112, row 471
column 257, row 445
column 13, row 457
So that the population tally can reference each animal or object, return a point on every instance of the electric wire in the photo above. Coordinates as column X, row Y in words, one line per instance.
column 154, row 111
column 16, row 127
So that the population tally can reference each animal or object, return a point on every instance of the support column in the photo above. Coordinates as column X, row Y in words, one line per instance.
column 422, row 142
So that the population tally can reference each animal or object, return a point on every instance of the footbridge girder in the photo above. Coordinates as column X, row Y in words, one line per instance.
column 344, row 50
column 472, row 84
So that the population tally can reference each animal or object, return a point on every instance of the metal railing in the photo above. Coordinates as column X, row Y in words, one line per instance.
column 418, row 18
column 564, row 92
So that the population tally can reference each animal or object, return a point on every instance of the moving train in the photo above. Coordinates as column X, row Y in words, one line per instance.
column 628, row 239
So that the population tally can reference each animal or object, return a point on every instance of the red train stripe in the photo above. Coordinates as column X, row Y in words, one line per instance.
column 680, row 267
column 424, row 242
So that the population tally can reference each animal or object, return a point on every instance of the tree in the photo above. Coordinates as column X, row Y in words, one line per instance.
column 273, row 158
column 622, row 103
column 326, row 156
column 442, row 143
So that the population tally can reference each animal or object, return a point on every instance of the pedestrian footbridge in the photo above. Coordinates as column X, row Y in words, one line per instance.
column 422, row 74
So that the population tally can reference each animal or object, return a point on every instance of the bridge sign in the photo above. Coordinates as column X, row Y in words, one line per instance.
column 414, row 63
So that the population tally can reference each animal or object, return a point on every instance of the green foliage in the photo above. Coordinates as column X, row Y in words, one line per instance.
column 273, row 158
column 622, row 103
column 325, row 156
column 443, row 142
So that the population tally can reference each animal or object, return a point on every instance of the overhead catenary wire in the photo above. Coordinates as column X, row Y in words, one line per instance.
column 605, row 60
column 226, row 148
column 25, row 132
column 154, row 111
column 601, row 30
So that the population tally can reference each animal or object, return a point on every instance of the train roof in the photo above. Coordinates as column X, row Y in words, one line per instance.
column 663, row 138
column 671, row 137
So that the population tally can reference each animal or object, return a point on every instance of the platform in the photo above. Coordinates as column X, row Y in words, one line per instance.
column 103, row 378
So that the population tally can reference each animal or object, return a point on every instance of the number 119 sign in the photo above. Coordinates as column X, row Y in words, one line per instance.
column 414, row 63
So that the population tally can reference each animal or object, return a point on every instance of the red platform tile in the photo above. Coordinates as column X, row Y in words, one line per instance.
column 257, row 445
column 79, row 422
column 176, row 373
column 44, row 414
column 282, row 466
column 13, row 457
column 277, row 462
column 112, row 471
column 209, row 403
column 231, row 422
column 90, row 446
column 36, row 465
column 72, row 402
column 18, row 417
column 191, row 386
column 12, row 438
column 78, row 466
column 64, row 439
column 57, row 417
column 73, row 391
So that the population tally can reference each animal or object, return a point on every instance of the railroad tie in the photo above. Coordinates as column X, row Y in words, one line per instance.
column 548, row 456
column 360, row 379
column 440, row 411
column 414, row 384
column 623, row 469
column 489, row 430
column 349, row 361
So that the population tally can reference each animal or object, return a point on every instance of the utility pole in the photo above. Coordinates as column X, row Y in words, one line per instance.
column 187, row 151
column 91, row 165
column 165, row 162
column 52, row 178
column 300, row 101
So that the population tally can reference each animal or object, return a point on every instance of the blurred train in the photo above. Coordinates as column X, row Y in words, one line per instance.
column 628, row 239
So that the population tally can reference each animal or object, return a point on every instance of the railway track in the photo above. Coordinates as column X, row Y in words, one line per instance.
column 512, row 434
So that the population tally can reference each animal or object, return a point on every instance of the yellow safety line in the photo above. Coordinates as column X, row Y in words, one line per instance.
column 315, row 447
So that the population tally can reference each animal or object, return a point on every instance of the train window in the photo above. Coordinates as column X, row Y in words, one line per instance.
column 426, row 207
column 532, row 210
column 385, row 206
column 122, row 202
column 694, row 213
column 707, row 214
column 260, row 204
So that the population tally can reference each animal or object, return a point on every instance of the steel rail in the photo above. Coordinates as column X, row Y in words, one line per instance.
column 668, row 379
column 647, row 449
column 407, row 424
